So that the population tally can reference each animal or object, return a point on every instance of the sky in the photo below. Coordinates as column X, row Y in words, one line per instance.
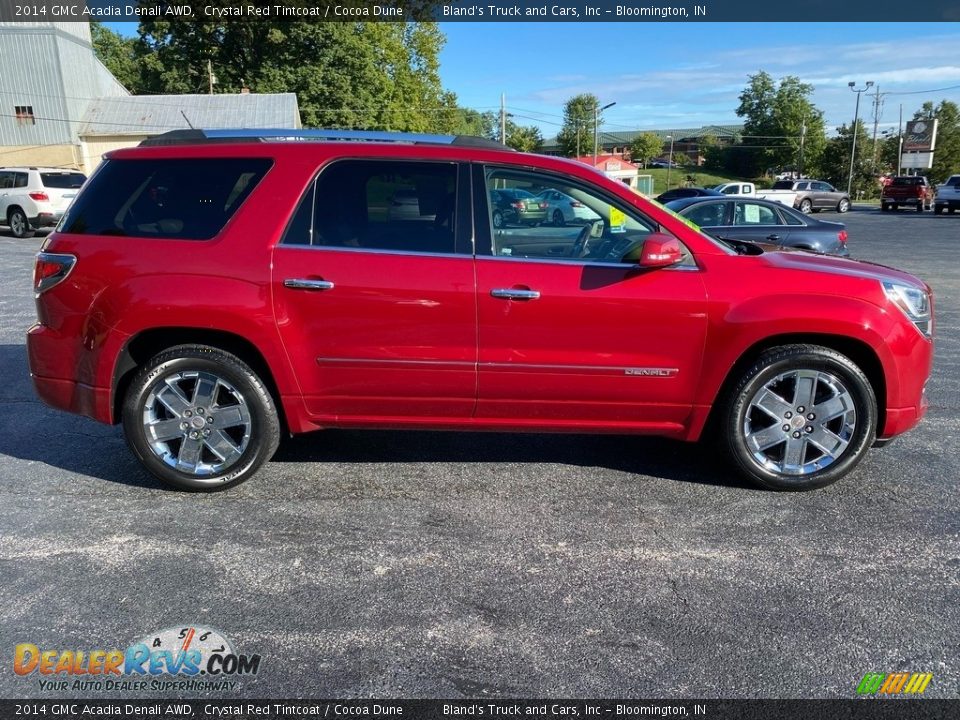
column 680, row 75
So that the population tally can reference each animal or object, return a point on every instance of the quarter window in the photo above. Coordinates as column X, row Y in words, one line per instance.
column 379, row 205
column 178, row 199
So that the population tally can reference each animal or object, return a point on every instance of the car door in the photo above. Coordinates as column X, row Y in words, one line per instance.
column 377, row 310
column 6, row 187
column 588, row 337
column 756, row 222
column 824, row 196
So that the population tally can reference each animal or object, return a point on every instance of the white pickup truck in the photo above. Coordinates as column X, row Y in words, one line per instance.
column 787, row 197
column 948, row 195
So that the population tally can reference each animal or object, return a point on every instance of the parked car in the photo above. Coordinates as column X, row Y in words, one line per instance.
column 562, row 208
column 912, row 190
column 948, row 195
column 32, row 198
column 736, row 188
column 686, row 192
column 662, row 163
column 812, row 195
column 213, row 291
column 762, row 221
column 514, row 206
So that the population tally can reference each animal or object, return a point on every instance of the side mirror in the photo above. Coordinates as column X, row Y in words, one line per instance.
column 660, row 250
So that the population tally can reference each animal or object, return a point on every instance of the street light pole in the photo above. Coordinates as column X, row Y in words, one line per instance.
column 670, row 161
column 856, row 117
column 596, row 121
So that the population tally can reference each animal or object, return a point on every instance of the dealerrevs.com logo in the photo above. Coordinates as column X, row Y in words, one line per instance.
column 182, row 658
column 898, row 683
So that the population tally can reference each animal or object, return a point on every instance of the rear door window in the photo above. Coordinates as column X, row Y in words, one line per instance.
column 183, row 199
column 398, row 206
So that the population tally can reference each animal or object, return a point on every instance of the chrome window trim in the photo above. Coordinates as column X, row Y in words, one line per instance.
column 580, row 262
column 376, row 251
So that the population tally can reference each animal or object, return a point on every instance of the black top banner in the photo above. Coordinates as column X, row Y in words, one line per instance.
column 867, row 709
column 481, row 10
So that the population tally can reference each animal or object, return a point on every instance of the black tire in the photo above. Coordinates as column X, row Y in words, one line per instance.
column 260, row 435
column 938, row 209
column 497, row 219
column 920, row 206
column 806, row 207
column 558, row 218
column 780, row 362
column 19, row 225
column 843, row 206
column 884, row 207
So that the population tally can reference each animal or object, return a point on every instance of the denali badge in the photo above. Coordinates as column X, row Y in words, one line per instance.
column 652, row 372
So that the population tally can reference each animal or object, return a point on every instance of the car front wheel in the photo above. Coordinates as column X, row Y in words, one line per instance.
column 199, row 418
column 801, row 417
column 806, row 207
column 843, row 205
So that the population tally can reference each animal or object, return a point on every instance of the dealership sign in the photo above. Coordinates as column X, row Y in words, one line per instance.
column 919, row 143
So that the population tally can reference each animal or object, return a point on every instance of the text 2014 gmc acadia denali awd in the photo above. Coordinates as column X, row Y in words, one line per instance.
column 213, row 289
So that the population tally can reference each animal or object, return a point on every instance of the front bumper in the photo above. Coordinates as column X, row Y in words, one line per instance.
column 950, row 204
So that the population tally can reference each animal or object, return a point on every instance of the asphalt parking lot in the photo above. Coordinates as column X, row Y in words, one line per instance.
column 492, row 565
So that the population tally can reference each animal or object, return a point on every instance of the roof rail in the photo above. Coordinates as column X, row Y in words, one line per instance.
column 190, row 137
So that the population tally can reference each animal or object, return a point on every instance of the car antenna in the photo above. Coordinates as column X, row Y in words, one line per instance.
column 188, row 120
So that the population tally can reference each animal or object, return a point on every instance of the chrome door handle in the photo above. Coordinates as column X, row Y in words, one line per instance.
column 305, row 284
column 773, row 237
column 515, row 294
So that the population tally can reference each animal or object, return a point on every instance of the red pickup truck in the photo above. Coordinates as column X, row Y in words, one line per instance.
column 913, row 190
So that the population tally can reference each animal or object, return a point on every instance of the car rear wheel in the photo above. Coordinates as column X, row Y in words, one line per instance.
column 199, row 418
column 801, row 417
column 558, row 218
column 843, row 205
column 497, row 219
column 938, row 209
column 806, row 207
column 884, row 207
column 921, row 206
column 19, row 225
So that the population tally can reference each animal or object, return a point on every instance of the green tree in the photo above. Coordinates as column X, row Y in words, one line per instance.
column 946, row 154
column 118, row 54
column 779, row 120
column 576, row 135
column 836, row 162
column 525, row 138
column 346, row 75
column 645, row 147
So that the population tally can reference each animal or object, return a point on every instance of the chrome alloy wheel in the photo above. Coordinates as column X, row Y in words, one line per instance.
column 799, row 422
column 196, row 422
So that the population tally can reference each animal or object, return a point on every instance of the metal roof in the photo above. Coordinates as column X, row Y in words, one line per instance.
column 153, row 114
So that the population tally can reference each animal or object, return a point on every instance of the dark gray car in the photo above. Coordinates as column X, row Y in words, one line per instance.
column 815, row 195
column 762, row 221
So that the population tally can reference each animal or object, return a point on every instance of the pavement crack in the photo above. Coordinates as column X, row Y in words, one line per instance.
column 671, row 581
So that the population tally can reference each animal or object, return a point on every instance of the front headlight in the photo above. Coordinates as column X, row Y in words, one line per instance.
column 914, row 302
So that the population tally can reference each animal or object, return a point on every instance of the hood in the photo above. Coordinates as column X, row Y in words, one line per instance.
column 802, row 260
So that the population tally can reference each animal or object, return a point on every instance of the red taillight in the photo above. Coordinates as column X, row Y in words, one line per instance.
column 50, row 270
column 576, row 203
column 543, row 206
column 39, row 196
column 842, row 237
column 518, row 205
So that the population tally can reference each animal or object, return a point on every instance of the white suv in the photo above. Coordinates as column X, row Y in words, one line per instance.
column 35, row 197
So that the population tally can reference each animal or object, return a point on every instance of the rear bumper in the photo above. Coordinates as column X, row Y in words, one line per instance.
column 44, row 220
column 50, row 357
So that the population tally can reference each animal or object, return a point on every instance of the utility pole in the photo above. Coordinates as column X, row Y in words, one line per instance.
column 210, row 75
column 856, row 118
column 803, row 137
column 670, row 161
column 877, row 105
column 900, row 142
column 503, row 118
column 596, row 122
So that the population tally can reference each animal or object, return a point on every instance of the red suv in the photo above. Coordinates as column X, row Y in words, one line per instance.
column 212, row 290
